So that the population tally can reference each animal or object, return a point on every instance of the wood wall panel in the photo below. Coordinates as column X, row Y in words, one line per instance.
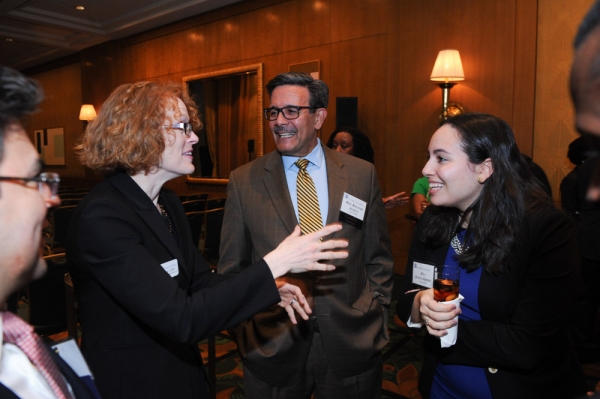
column 379, row 50
column 222, row 42
column 304, row 24
column 524, row 84
column 364, row 61
column 189, row 51
column 133, row 59
column 352, row 19
column 60, row 108
column 261, row 33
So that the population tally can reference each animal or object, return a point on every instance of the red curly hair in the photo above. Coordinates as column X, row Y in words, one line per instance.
column 127, row 134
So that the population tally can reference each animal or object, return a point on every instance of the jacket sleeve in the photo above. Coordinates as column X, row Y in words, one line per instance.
column 235, row 250
column 378, row 256
column 122, row 255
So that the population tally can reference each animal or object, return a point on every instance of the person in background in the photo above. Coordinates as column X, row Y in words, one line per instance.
column 337, row 353
column 420, row 195
column 519, row 272
column 146, row 295
column 539, row 174
column 351, row 141
column 569, row 197
column 26, row 194
column 585, row 87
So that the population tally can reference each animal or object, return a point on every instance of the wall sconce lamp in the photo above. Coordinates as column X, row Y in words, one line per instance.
column 87, row 112
column 448, row 70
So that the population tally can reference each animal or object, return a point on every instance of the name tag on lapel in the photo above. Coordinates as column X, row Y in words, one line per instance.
column 171, row 267
column 353, row 211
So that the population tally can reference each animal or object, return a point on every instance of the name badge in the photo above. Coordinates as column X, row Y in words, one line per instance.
column 69, row 352
column 423, row 274
column 171, row 267
column 352, row 211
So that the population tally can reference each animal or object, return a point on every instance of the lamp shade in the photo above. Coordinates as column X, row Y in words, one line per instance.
column 448, row 67
column 87, row 112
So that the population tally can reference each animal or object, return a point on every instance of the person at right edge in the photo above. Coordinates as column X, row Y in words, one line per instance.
column 519, row 271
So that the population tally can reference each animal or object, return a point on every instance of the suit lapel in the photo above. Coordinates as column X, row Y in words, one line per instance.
column 337, row 181
column 276, row 185
column 147, row 212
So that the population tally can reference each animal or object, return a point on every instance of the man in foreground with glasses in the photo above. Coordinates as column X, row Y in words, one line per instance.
column 336, row 353
column 25, row 197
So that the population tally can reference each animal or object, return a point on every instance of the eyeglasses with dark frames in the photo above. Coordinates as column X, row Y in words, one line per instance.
column 46, row 183
column 185, row 127
column 290, row 112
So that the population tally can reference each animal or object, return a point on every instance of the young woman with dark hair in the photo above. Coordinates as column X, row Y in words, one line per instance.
column 518, row 271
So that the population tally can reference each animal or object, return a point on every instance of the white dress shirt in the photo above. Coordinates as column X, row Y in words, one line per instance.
column 21, row 376
column 317, row 169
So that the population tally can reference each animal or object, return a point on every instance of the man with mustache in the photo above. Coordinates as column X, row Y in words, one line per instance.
column 335, row 354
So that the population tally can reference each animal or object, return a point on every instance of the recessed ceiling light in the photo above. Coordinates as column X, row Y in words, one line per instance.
column 8, row 39
column 79, row 8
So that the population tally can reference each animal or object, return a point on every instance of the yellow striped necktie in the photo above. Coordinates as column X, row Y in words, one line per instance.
column 308, row 202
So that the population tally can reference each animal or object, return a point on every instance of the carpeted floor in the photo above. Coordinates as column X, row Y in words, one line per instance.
column 402, row 362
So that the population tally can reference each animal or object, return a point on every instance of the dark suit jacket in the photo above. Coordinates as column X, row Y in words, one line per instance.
column 350, row 303
column 79, row 388
column 522, row 341
column 140, row 325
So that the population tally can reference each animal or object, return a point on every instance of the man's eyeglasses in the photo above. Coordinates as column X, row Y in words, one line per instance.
column 290, row 112
column 186, row 127
column 46, row 183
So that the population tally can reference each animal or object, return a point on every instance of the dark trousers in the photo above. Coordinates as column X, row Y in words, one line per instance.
column 585, row 337
column 319, row 378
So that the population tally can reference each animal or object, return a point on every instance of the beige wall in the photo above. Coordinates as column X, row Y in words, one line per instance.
column 554, row 127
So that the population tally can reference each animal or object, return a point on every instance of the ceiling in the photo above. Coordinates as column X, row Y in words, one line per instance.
column 33, row 32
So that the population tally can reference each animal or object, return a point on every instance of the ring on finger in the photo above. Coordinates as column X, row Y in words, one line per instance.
column 293, row 302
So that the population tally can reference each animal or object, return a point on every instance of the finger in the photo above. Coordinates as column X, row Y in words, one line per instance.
column 322, row 267
column 290, row 311
column 300, row 310
column 307, row 309
column 302, row 299
column 332, row 244
column 325, row 231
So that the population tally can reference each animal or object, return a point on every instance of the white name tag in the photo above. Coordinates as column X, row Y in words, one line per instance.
column 423, row 274
column 352, row 210
column 171, row 267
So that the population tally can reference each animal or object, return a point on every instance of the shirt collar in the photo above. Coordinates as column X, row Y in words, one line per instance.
column 316, row 157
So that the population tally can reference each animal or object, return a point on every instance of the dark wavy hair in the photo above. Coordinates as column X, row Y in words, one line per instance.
column 19, row 98
column 362, row 145
column 318, row 91
column 496, row 216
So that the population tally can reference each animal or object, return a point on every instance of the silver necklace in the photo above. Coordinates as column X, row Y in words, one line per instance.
column 456, row 244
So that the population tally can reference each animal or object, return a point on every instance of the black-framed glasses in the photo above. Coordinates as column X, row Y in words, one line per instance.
column 185, row 127
column 290, row 112
column 46, row 183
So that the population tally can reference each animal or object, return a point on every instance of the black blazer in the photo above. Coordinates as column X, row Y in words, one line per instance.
column 522, row 341
column 140, row 325
column 79, row 388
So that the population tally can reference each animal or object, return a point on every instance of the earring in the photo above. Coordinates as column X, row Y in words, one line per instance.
column 479, row 180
